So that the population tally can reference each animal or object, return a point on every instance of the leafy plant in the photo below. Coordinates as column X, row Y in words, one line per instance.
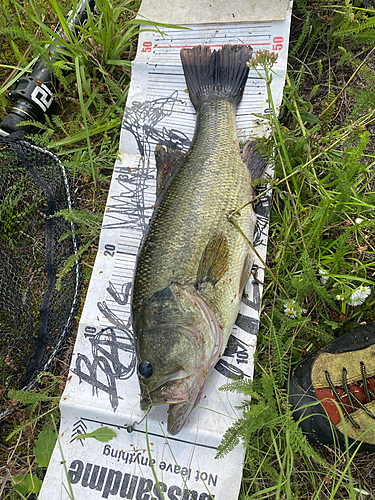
column 102, row 434
column 49, row 393
column 44, row 445
column 38, row 406
column 29, row 483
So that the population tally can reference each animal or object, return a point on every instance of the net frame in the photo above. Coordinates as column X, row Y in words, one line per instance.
column 53, row 324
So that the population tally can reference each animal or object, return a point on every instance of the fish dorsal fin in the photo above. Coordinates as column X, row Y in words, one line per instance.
column 167, row 163
column 255, row 163
column 214, row 261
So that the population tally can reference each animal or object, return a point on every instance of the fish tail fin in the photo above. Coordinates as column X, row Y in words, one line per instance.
column 220, row 74
column 256, row 164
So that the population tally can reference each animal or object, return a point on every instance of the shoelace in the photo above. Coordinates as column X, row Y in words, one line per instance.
column 351, row 396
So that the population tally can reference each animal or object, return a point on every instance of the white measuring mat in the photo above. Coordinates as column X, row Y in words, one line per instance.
column 143, row 462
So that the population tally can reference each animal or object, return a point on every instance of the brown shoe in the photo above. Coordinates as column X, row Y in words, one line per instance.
column 332, row 391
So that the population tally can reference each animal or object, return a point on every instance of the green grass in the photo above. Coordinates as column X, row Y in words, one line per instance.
column 322, row 220
column 322, row 226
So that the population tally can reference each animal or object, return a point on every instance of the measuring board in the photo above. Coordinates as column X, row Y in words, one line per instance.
column 143, row 462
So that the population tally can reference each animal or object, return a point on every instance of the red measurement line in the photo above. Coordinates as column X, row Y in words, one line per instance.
column 188, row 46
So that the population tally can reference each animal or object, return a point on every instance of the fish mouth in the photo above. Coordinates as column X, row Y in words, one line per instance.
column 172, row 389
column 182, row 395
column 180, row 412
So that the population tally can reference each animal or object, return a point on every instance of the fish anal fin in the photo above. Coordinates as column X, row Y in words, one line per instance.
column 247, row 265
column 214, row 261
column 168, row 161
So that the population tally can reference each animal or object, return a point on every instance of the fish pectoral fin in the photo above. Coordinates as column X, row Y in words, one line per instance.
column 214, row 261
column 167, row 162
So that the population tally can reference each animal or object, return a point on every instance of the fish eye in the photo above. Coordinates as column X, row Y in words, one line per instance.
column 145, row 369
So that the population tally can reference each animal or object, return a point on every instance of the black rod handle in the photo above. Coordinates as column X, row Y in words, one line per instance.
column 32, row 95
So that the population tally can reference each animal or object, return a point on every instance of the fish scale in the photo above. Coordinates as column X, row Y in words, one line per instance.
column 213, row 182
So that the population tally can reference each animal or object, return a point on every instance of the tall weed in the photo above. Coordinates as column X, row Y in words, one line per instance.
column 321, row 246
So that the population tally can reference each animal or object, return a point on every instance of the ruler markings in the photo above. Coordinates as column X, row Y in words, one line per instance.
column 162, row 76
column 230, row 32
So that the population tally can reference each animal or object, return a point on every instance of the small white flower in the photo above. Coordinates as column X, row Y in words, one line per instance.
column 358, row 220
column 323, row 278
column 360, row 295
column 290, row 310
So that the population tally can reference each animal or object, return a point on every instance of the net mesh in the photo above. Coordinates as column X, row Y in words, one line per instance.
column 35, row 317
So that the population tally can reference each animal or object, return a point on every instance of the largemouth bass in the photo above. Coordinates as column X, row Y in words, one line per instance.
column 195, row 257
